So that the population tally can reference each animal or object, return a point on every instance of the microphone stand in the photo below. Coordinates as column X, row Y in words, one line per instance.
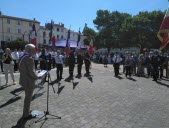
column 46, row 113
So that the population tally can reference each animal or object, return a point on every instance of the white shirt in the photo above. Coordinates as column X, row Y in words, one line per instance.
column 117, row 59
column 15, row 55
column 36, row 56
column 59, row 59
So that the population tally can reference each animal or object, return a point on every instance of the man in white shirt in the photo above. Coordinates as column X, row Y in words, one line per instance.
column 59, row 65
column 15, row 56
column 116, row 63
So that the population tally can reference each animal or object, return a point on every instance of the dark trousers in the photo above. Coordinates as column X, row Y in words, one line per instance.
column 36, row 64
column 71, row 69
column 15, row 65
column 87, row 66
column 53, row 62
column 2, row 67
column 155, row 73
column 59, row 70
column 128, row 71
column 116, row 69
column 161, row 71
column 79, row 69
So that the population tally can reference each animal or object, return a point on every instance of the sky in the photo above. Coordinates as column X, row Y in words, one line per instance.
column 75, row 13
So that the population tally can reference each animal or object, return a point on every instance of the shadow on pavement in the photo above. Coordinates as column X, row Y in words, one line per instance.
column 60, row 88
column 10, row 101
column 163, row 84
column 36, row 95
column 132, row 79
column 75, row 84
column 4, row 86
column 78, row 76
column 16, row 91
column 119, row 77
column 20, row 124
column 68, row 79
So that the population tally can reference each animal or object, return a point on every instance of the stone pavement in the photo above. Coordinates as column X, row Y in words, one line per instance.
column 98, row 101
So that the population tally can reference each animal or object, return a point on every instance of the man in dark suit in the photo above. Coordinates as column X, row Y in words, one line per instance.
column 27, row 77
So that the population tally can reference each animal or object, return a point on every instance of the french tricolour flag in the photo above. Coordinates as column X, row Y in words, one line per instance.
column 34, row 35
column 68, row 44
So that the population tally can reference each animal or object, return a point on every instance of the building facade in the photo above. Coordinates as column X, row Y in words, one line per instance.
column 12, row 28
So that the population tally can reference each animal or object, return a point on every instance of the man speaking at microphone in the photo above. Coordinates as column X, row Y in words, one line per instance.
column 27, row 77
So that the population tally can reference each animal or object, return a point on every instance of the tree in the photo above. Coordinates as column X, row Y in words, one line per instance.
column 90, row 35
column 16, row 44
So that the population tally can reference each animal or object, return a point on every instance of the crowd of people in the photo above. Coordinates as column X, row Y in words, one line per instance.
column 150, row 64
column 46, row 59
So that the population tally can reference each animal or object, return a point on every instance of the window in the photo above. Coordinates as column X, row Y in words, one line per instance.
column 19, row 31
column 8, row 30
column 61, row 29
column 8, row 21
column 18, row 22
column 57, row 36
column 61, row 36
column 57, row 29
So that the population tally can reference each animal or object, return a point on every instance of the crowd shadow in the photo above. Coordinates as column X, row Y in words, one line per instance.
column 10, row 101
column 132, row 79
column 14, row 92
column 20, row 123
column 163, row 84
column 60, row 88
column 89, row 77
column 5, row 86
column 69, row 79
column 37, row 95
column 78, row 76
column 119, row 77
column 75, row 84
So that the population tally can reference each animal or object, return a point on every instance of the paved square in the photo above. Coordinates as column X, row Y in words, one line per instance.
column 98, row 101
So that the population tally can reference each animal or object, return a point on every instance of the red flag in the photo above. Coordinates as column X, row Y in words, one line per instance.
column 68, row 44
column 91, row 47
column 52, row 38
column 163, row 33
column 34, row 35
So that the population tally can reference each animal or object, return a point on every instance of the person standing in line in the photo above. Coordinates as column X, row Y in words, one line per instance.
column 1, row 61
column 8, row 65
column 79, row 63
column 116, row 63
column 59, row 65
column 15, row 57
column 43, row 60
column 128, row 62
column 36, row 60
column 27, row 78
column 87, row 63
column 71, row 63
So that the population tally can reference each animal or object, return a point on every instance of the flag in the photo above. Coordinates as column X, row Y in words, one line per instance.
column 91, row 47
column 52, row 36
column 68, row 43
column 34, row 35
column 163, row 33
column 78, row 42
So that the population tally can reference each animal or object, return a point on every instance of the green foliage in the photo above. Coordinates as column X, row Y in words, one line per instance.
column 123, row 30
column 16, row 44
column 90, row 35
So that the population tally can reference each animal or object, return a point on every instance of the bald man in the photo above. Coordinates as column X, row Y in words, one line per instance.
column 27, row 77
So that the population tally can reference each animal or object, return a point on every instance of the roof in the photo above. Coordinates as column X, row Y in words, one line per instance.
column 17, row 18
